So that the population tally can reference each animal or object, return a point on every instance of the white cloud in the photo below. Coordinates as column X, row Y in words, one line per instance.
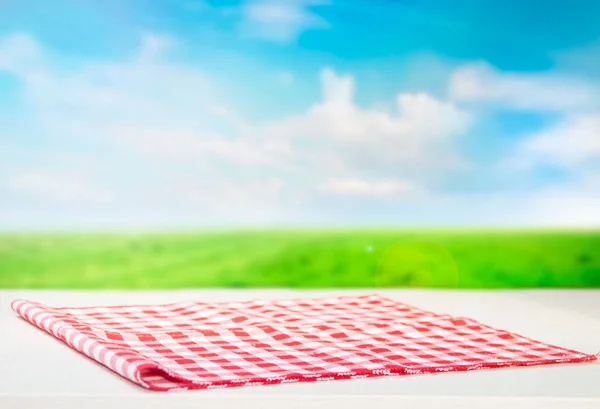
column 482, row 83
column 333, row 133
column 337, row 128
column 572, row 142
column 410, row 124
column 146, row 104
column 61, row 187
column 359, row 187
column 280, row 20
column 193, row 145
column 146, row 89
column 148, row 101
column 148, row 118
column 151, row 117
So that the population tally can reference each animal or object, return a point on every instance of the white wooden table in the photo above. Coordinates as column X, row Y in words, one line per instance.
column 37, row 371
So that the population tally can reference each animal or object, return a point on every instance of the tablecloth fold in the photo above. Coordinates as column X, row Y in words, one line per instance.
column 195, row 345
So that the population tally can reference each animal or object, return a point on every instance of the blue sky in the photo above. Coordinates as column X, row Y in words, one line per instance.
column 299, row 112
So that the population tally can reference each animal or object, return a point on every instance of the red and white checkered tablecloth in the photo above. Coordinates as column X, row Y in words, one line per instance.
column 195, row 345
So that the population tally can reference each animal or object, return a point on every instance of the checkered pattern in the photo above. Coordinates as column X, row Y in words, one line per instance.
column 213, row 345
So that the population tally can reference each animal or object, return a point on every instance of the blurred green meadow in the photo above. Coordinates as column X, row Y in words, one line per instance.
column 302, row 258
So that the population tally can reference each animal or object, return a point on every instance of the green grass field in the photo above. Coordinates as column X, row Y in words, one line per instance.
column 302, row 258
